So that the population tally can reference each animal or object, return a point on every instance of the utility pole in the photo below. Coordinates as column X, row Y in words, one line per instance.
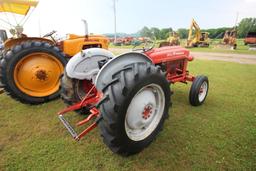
column 39, row 21
column 114, row 8
column 237, row 15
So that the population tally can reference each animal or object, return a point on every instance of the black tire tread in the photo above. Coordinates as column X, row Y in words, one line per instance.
column 193, row 94
column 6, row 66
column 110, row 107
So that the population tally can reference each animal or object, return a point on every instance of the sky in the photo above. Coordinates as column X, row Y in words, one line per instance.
column 65, row 15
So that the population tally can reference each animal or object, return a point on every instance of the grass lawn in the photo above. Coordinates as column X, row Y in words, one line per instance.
column 220, row 135
column 241, row 48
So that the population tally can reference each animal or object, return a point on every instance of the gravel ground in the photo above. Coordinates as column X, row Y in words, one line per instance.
column 237, row 58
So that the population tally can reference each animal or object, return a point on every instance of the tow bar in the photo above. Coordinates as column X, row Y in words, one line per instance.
column 89, row 100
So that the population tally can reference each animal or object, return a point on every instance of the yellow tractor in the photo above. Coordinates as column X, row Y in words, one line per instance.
column 196, row 38
column 172, row 40
column 30, row 67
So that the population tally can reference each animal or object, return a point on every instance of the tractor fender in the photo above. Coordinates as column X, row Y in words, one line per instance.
column 117, row 64
column 11, row 42
column 85, row 64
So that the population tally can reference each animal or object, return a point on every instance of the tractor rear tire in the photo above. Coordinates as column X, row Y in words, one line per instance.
column 135, row 104
column 30, row 72
column 1, row 55
column 71, row 92
column 199, row 90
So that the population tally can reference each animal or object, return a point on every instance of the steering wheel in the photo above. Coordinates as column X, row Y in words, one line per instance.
column 50, row 34
column 148, row 45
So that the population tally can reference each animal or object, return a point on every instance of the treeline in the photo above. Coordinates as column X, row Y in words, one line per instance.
column 246, row 25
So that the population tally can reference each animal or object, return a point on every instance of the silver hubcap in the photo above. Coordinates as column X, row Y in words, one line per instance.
column 144, row 112
column 203, row 91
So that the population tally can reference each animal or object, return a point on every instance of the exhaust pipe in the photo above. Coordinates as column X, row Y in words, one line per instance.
column 86, row 28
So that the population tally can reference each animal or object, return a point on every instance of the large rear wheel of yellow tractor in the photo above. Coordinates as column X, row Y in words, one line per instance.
column 30, row 72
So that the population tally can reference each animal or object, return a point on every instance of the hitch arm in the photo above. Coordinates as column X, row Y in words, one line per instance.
column 89, row 100
column 94, row 113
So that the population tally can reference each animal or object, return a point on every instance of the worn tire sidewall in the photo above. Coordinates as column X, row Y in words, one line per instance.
column 195, row 88
column 13, row 61
column 156, row 79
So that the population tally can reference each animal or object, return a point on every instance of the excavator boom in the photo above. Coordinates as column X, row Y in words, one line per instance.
column 197, row 38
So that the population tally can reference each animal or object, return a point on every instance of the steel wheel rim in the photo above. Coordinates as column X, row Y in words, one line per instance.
column 203, row 91
column 144, row 112
column 37, row 74
column 82, row 88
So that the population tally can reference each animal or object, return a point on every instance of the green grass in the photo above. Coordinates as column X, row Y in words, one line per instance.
column 219, row 135
column 241, row 48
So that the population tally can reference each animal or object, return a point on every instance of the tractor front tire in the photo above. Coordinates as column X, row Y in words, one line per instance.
column 198, row 91
column 135, row 104
column 30, row 71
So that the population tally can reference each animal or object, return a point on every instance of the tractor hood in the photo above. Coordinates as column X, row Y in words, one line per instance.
column 168, row 53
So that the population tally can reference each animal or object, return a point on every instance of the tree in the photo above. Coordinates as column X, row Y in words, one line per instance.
column 156, row 32
column 145, row 32
column 217, row 33
column 183, row 33
column 246, row 25
column 164, row 33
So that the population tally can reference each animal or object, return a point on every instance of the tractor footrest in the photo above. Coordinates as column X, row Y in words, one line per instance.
column 68, row 126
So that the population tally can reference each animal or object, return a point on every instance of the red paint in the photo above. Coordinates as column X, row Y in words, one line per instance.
column 91, row 98
column 147, row 111
column 173, row 58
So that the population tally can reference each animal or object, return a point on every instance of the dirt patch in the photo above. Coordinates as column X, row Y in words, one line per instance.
column 238, row 58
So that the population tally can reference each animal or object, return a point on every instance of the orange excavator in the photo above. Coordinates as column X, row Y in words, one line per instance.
column 229, row 38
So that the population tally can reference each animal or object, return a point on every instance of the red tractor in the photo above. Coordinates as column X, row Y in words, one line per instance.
column 250, row 39
column 127, row 96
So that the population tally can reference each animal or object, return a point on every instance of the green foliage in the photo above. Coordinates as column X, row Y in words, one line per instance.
column 155, row 32
column 217, row 33
column 165, row 33
column 145, row 32
column 245, row 26
column 183, row 33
